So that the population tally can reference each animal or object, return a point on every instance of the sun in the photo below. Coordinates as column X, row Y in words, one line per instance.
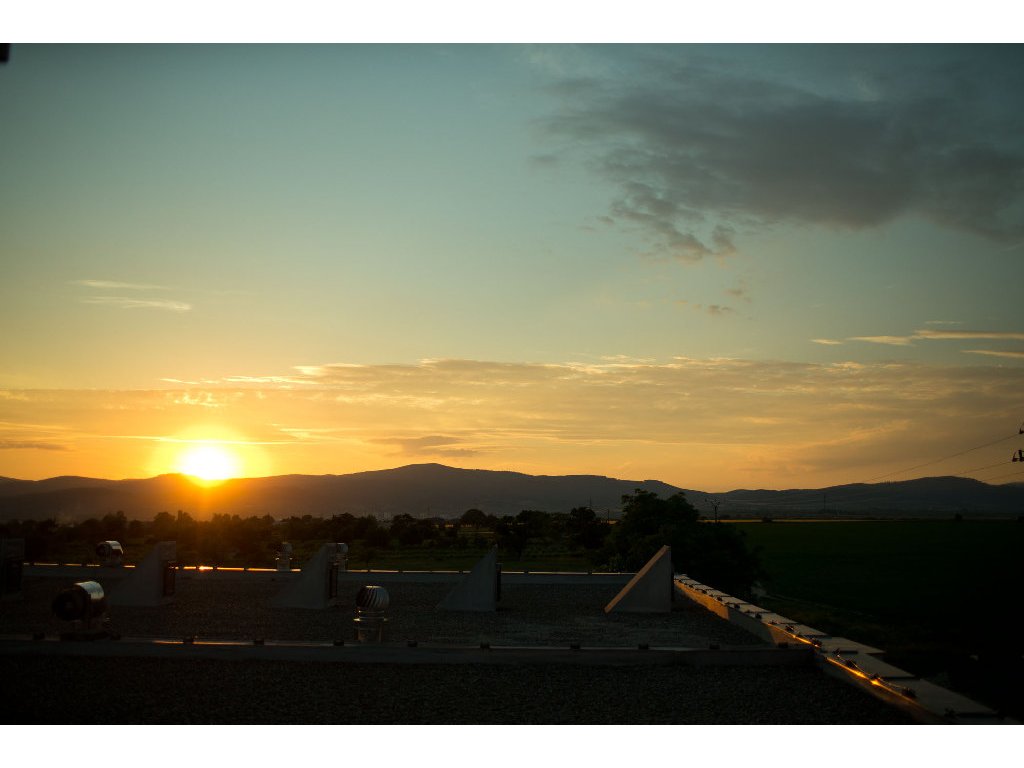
column 209, row 463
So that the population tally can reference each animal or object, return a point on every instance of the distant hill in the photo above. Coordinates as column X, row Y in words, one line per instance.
column 922, row 497
column 429, row 490
column 422, row 490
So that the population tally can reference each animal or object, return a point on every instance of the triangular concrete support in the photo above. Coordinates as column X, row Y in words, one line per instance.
column 478, row 590
column 152, row 582
column 650, row 590
column 316, row 587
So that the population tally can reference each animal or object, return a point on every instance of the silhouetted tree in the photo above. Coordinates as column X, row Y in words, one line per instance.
column 511, row 535
column 114, row 526
column 474, row 517
column 163, row 526
column 409, row 531
column 585, row 529
column 533, row 523
column 712, row 553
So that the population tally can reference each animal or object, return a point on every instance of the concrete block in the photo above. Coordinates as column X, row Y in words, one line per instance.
column 845, row 645
column 650, row 591
column 872, row 666
column 478, row 590
column 944, row 702
column 152, row 582
column 316, row 586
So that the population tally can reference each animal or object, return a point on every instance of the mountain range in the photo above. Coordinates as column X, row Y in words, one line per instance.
column 435, row 490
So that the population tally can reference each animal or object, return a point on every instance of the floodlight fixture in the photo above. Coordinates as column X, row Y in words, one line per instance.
column 84, row 604
column 111, row 553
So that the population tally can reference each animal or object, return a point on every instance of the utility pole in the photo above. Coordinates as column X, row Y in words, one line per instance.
column 715, row 503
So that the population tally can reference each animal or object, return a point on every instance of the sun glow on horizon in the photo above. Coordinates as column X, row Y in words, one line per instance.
column 209, row 463
column 209, row 454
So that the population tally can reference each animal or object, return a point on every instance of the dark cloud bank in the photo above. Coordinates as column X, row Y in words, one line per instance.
column 846, row 136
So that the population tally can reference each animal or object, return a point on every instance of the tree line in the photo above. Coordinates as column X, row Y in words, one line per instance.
column 713, row 553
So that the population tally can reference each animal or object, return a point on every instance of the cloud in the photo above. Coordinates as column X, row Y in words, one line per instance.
column 114, row 285
column 700, row 148
column 715, row 310
column 202, row 399
column 896, row 341
column 827, row 342
column 1007, row 335
column 996, row 353
column 19, row 445
column 128, row 303
column 936, row 335
column 263, row 380
column 701, row 423
column 429, row 445
column 740, row 292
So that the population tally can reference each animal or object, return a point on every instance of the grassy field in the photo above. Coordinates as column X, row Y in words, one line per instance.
column 942, row 597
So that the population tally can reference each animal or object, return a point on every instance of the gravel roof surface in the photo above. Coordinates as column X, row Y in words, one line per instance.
column 218, row 605
column 127, row 691
column 235, row 606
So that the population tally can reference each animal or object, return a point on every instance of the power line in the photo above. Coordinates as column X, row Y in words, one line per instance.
column 999, row 477
column 982, row 469
column 944, row 458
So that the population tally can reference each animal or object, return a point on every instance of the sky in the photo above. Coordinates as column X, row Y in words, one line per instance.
column 720, row 266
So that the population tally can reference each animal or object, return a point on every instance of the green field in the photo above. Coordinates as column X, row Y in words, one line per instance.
column 941, row 597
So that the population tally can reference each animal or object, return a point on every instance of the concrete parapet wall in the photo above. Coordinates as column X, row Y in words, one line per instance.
column 853, row 662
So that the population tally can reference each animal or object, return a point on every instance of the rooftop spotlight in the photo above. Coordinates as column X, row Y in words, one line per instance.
column 84, row 604
column 111, row 553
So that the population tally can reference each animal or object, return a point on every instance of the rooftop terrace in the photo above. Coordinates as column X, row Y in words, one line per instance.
column 549, row 654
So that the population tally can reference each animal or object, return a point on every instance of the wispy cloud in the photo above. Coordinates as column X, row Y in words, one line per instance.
column 442, row 446
column 715, row 310
column 927, row 334
column 192, row 440
column 697, row 422
column 1008, row 335
column 115, row 285
column 15, row 436
column 996, row 353
column 128, row 303
column 740, row 291
column 201, row 399
column 827, row 342
column 264, row 380
column 39, row 445
column 896, row 341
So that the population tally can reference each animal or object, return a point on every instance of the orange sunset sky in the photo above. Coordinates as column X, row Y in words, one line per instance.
column 719, row 266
